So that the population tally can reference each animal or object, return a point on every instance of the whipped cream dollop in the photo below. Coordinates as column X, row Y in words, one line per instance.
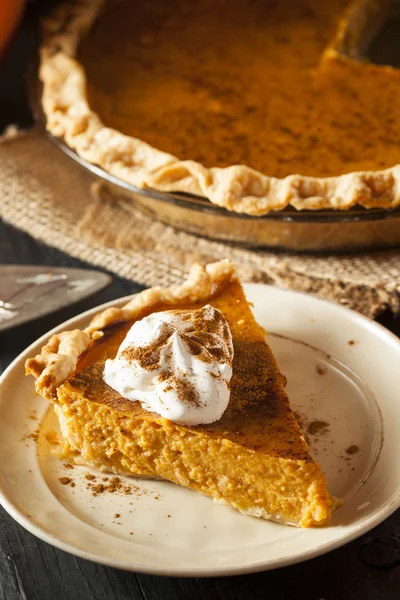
column 177, row 363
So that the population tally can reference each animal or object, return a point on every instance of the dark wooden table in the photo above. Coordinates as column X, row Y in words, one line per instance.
column 366, row 569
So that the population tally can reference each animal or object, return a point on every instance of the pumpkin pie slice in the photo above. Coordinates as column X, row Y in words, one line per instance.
column 254, row 457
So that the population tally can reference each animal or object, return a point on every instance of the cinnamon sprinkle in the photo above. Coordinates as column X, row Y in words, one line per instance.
column 321, row 370
column 200, row 338
column 204, row 324
column 32, row 435
column 148, row 357
column 316, row 427
column 185, row 390
column 115, row 484
column 98, row 489
column 352, row 449
column 67, row 481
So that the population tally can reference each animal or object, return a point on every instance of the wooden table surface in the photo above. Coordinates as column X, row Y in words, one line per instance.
column 366, row 569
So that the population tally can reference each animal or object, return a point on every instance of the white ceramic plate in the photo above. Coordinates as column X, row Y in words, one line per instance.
column 341, row 368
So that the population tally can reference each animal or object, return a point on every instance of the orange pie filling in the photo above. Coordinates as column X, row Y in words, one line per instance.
column 244, row 83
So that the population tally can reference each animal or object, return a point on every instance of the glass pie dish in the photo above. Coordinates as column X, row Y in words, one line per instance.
column 290, row 229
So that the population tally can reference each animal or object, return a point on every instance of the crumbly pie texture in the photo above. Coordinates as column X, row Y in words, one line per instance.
column 59, row 357
column 237, row 188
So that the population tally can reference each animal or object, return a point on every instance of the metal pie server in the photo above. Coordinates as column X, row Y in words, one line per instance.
column 28, row 292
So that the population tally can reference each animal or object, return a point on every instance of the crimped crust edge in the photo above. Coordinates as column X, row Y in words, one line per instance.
column 237, row 188
column 60, row 355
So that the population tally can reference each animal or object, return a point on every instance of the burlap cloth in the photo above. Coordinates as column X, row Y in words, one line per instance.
column 45, row 194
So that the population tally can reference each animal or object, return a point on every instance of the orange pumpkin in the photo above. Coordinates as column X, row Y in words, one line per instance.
column 10, row 13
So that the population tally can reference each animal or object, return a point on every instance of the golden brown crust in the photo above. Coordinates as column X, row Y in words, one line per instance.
column 238, row 188
column 59, row 357
column 57, row 360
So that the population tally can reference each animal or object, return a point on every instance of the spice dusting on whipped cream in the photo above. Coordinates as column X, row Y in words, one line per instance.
column 177, row 363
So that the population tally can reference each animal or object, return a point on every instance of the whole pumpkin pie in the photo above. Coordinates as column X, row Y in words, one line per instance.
column 252, row 457
column 253, row 104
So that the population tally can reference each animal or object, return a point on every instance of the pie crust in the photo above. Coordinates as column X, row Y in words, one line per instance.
column 59, row 357
column 237, row 188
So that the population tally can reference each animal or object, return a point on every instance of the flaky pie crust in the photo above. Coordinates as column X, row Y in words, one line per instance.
column 59, row 357
column 237, row 188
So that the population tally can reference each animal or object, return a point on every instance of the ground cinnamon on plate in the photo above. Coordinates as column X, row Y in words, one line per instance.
column 316, row 427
